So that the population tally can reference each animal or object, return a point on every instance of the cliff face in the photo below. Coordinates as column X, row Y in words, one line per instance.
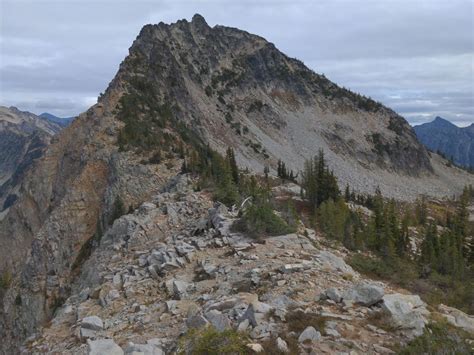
column 454, row 142
column 181, row 83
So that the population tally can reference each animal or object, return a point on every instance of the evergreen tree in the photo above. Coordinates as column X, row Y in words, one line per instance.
column 430, row 246
column 403, row 241
column 318, row 182
column 266, row 171
column 347, row 193
column 118, row 209
column 233, row 165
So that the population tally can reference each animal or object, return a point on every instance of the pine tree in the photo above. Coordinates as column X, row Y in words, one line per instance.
column 233, row 165
column 347, row 193
column 430, row 246
column 266, row 171
column 403, row 242
column 118, row 209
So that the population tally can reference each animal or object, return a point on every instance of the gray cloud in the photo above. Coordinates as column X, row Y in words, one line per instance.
column 413, row 55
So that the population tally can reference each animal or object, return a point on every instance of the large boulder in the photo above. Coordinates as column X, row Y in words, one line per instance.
column 365, row 294
column 457, row 318
column 103, row 347
column 408, row 312
column 333, row 262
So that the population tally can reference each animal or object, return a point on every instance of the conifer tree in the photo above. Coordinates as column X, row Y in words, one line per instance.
column 233, row 165
column 347, row 193
column 430, row 246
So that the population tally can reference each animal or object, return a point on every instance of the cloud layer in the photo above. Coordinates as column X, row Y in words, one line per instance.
column 414, row 56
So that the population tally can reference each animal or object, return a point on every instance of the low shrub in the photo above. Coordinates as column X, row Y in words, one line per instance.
column 209, row 341
column 438, row 338
column 260, row 219
column 5, row 280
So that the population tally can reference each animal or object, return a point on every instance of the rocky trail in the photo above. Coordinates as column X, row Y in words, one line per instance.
column 174, row 265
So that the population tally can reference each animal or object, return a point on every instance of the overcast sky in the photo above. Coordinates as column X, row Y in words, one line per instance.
column 416, row 56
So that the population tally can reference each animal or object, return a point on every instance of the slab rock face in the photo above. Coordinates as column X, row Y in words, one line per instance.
column 408, row 312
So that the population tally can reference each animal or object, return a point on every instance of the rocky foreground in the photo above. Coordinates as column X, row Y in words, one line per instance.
column 173, row 265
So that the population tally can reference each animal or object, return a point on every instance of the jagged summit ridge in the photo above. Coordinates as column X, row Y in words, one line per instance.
column 236, row 89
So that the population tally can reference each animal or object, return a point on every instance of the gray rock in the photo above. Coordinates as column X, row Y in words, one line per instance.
column 104, row 347
column 334, row 262
column 218, row 219
column 364, row 293
column 253, row 317
column 282, row 345
column 146, row 207
column 333, row 294
column 196, row 321
column 309, row 334
column 85, row 334
column 218, row 320
column 408, row 312
column 184, row 249
column 180, row 289
column 143, row 349
column 93, row 323
column 290, row 268
column 332, row 332
column 458, row 318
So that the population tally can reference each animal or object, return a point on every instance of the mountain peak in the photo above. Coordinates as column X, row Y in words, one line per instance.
column 440, row 120
column 441, row 135
column 198, row 19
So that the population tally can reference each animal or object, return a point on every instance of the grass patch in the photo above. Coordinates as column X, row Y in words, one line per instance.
column 433, row 289
column 208, row 341
column 5, row 280
column 381, row 319
column 270, row 346
column 298, row 321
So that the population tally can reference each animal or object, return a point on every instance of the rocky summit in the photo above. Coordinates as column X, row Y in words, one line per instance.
column 119, row 241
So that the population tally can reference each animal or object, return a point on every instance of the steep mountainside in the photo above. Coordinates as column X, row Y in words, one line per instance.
column 62, row 121
column 187, row 85
column 454, row 142
column 23, row 138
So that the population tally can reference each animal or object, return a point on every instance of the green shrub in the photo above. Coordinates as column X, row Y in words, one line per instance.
column 260, row 219
column 118, row 209
column 209, row 341
column 5, row 280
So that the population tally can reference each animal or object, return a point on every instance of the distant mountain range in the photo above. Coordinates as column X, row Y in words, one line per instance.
column 455, row 143
column 62, row 121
